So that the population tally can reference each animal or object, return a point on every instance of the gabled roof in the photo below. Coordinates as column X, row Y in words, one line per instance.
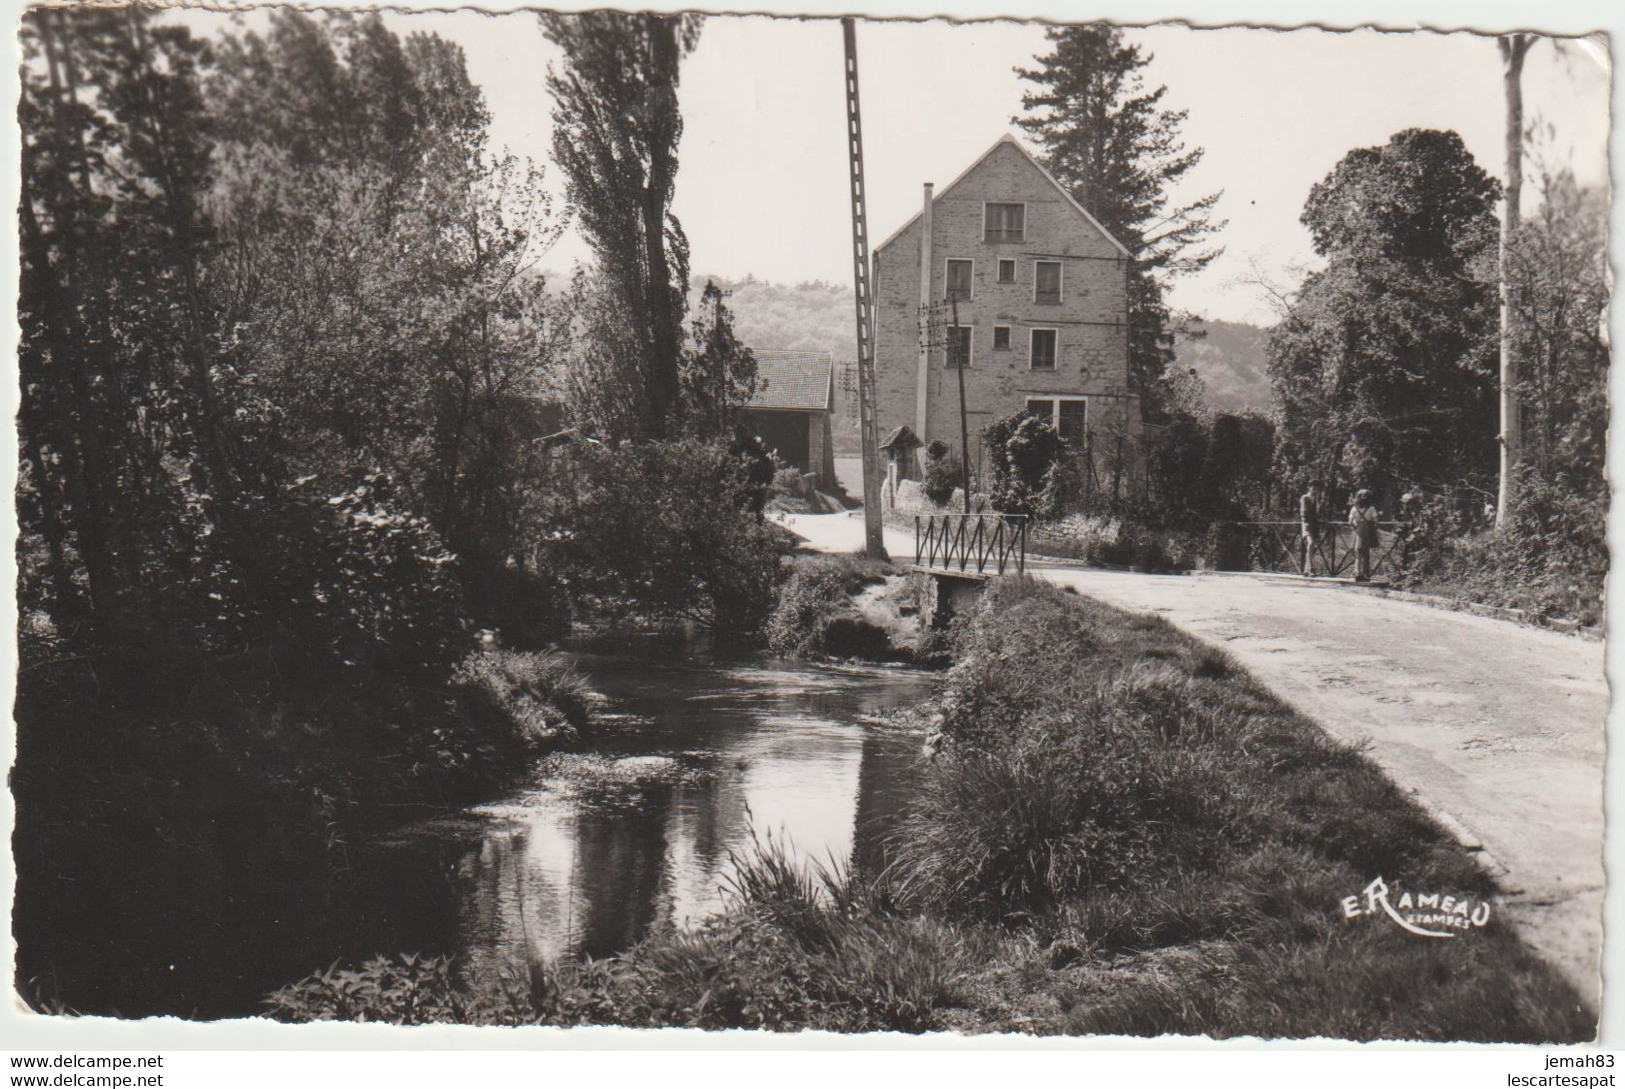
column 1038, row 166
column 902, row 437
column 794, row 381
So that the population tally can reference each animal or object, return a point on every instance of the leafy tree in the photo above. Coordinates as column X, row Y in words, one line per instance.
column 1558, row 263
column 1385, row 362
column 1117, row 149
column 616, row 127
column 234, row 320
column 1550, row 553
column 126, row 479
column 377, row 267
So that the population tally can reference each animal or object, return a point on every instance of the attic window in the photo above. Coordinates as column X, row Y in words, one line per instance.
column 1005, row 223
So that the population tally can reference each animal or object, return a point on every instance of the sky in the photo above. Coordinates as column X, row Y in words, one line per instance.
column 762, row 190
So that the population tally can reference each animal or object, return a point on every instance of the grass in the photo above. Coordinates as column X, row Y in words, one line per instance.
column 815, row 616
column 1124, row 833
column 539, row 694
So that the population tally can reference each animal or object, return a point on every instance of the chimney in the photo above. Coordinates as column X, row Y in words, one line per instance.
column 923, row 374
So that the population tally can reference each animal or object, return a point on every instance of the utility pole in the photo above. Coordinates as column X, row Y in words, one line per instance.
column 964, row 426
column 874, row 541
column 1513, row 48
column 934, row 335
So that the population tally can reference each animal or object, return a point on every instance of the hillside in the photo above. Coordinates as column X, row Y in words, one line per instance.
column 817, row 316
column 810, row 316
column 1231, row 362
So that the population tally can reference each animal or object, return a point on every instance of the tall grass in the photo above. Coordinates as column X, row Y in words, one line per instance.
column 1124, row 833
column 539, row 695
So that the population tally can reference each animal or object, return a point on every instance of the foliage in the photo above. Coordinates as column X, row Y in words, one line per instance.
column 814, row 613
column 670, row 531
column 385, row 586
column 1558, row 266
column 1022, row 453
column 616, row 127
column 718, row 375
column 1117, row 150
column 1202, row 469
column 1385, row 362
column 943, row 473
column 1130, row 836
column 232, row 311
column 1551, row 558
column 541, row 693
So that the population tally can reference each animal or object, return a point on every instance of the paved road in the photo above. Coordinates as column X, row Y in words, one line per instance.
column 1497, row 726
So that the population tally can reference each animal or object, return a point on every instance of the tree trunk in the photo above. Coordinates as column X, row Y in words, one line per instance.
column 662, row 338
column 1513, row 48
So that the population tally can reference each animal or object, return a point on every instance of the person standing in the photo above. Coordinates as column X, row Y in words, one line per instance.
column 1311, row 512
column 1363, row 517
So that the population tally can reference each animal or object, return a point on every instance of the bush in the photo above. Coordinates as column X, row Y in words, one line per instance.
column 1023, row 452
column 815, row 616
column 1550, row 559
column 540, row 695
column 1126, row 778
column 1134, row 546
column 664, row 531
column 944, row 473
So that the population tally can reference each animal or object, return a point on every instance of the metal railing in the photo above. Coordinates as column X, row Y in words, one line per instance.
column 966, row 542
column 1278, row 546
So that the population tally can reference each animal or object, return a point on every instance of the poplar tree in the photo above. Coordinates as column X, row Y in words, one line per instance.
column 616, row 127
column 1117, row 150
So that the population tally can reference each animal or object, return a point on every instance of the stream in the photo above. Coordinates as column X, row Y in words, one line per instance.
column 697, row 755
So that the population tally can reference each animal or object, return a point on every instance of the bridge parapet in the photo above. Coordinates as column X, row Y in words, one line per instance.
column 983, row 544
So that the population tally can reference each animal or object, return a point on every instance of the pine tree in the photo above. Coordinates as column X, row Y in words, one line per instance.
column 1117, row 150
column 718, row 372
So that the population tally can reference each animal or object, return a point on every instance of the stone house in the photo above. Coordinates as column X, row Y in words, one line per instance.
column 790, row 410
column 1043, row 313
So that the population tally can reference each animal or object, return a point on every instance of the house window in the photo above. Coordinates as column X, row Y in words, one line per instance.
column 1001, row 338
column 1005, row 223
column 1007, row 270
column 959, row 278
column 1047, row 282
column 1041, row 357
column 959, row 346
column 1069, row 415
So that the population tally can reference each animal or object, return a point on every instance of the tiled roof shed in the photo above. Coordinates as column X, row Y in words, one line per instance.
column 789, row 381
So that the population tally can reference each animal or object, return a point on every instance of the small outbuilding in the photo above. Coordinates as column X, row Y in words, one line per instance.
column 790, row 411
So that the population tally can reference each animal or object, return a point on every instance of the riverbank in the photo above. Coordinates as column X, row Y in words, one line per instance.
column 1123, row 833
column 223, row 798
column 841, row 608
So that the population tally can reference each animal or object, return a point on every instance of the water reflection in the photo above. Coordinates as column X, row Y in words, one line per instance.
column 605, row 846
column 599, row 848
